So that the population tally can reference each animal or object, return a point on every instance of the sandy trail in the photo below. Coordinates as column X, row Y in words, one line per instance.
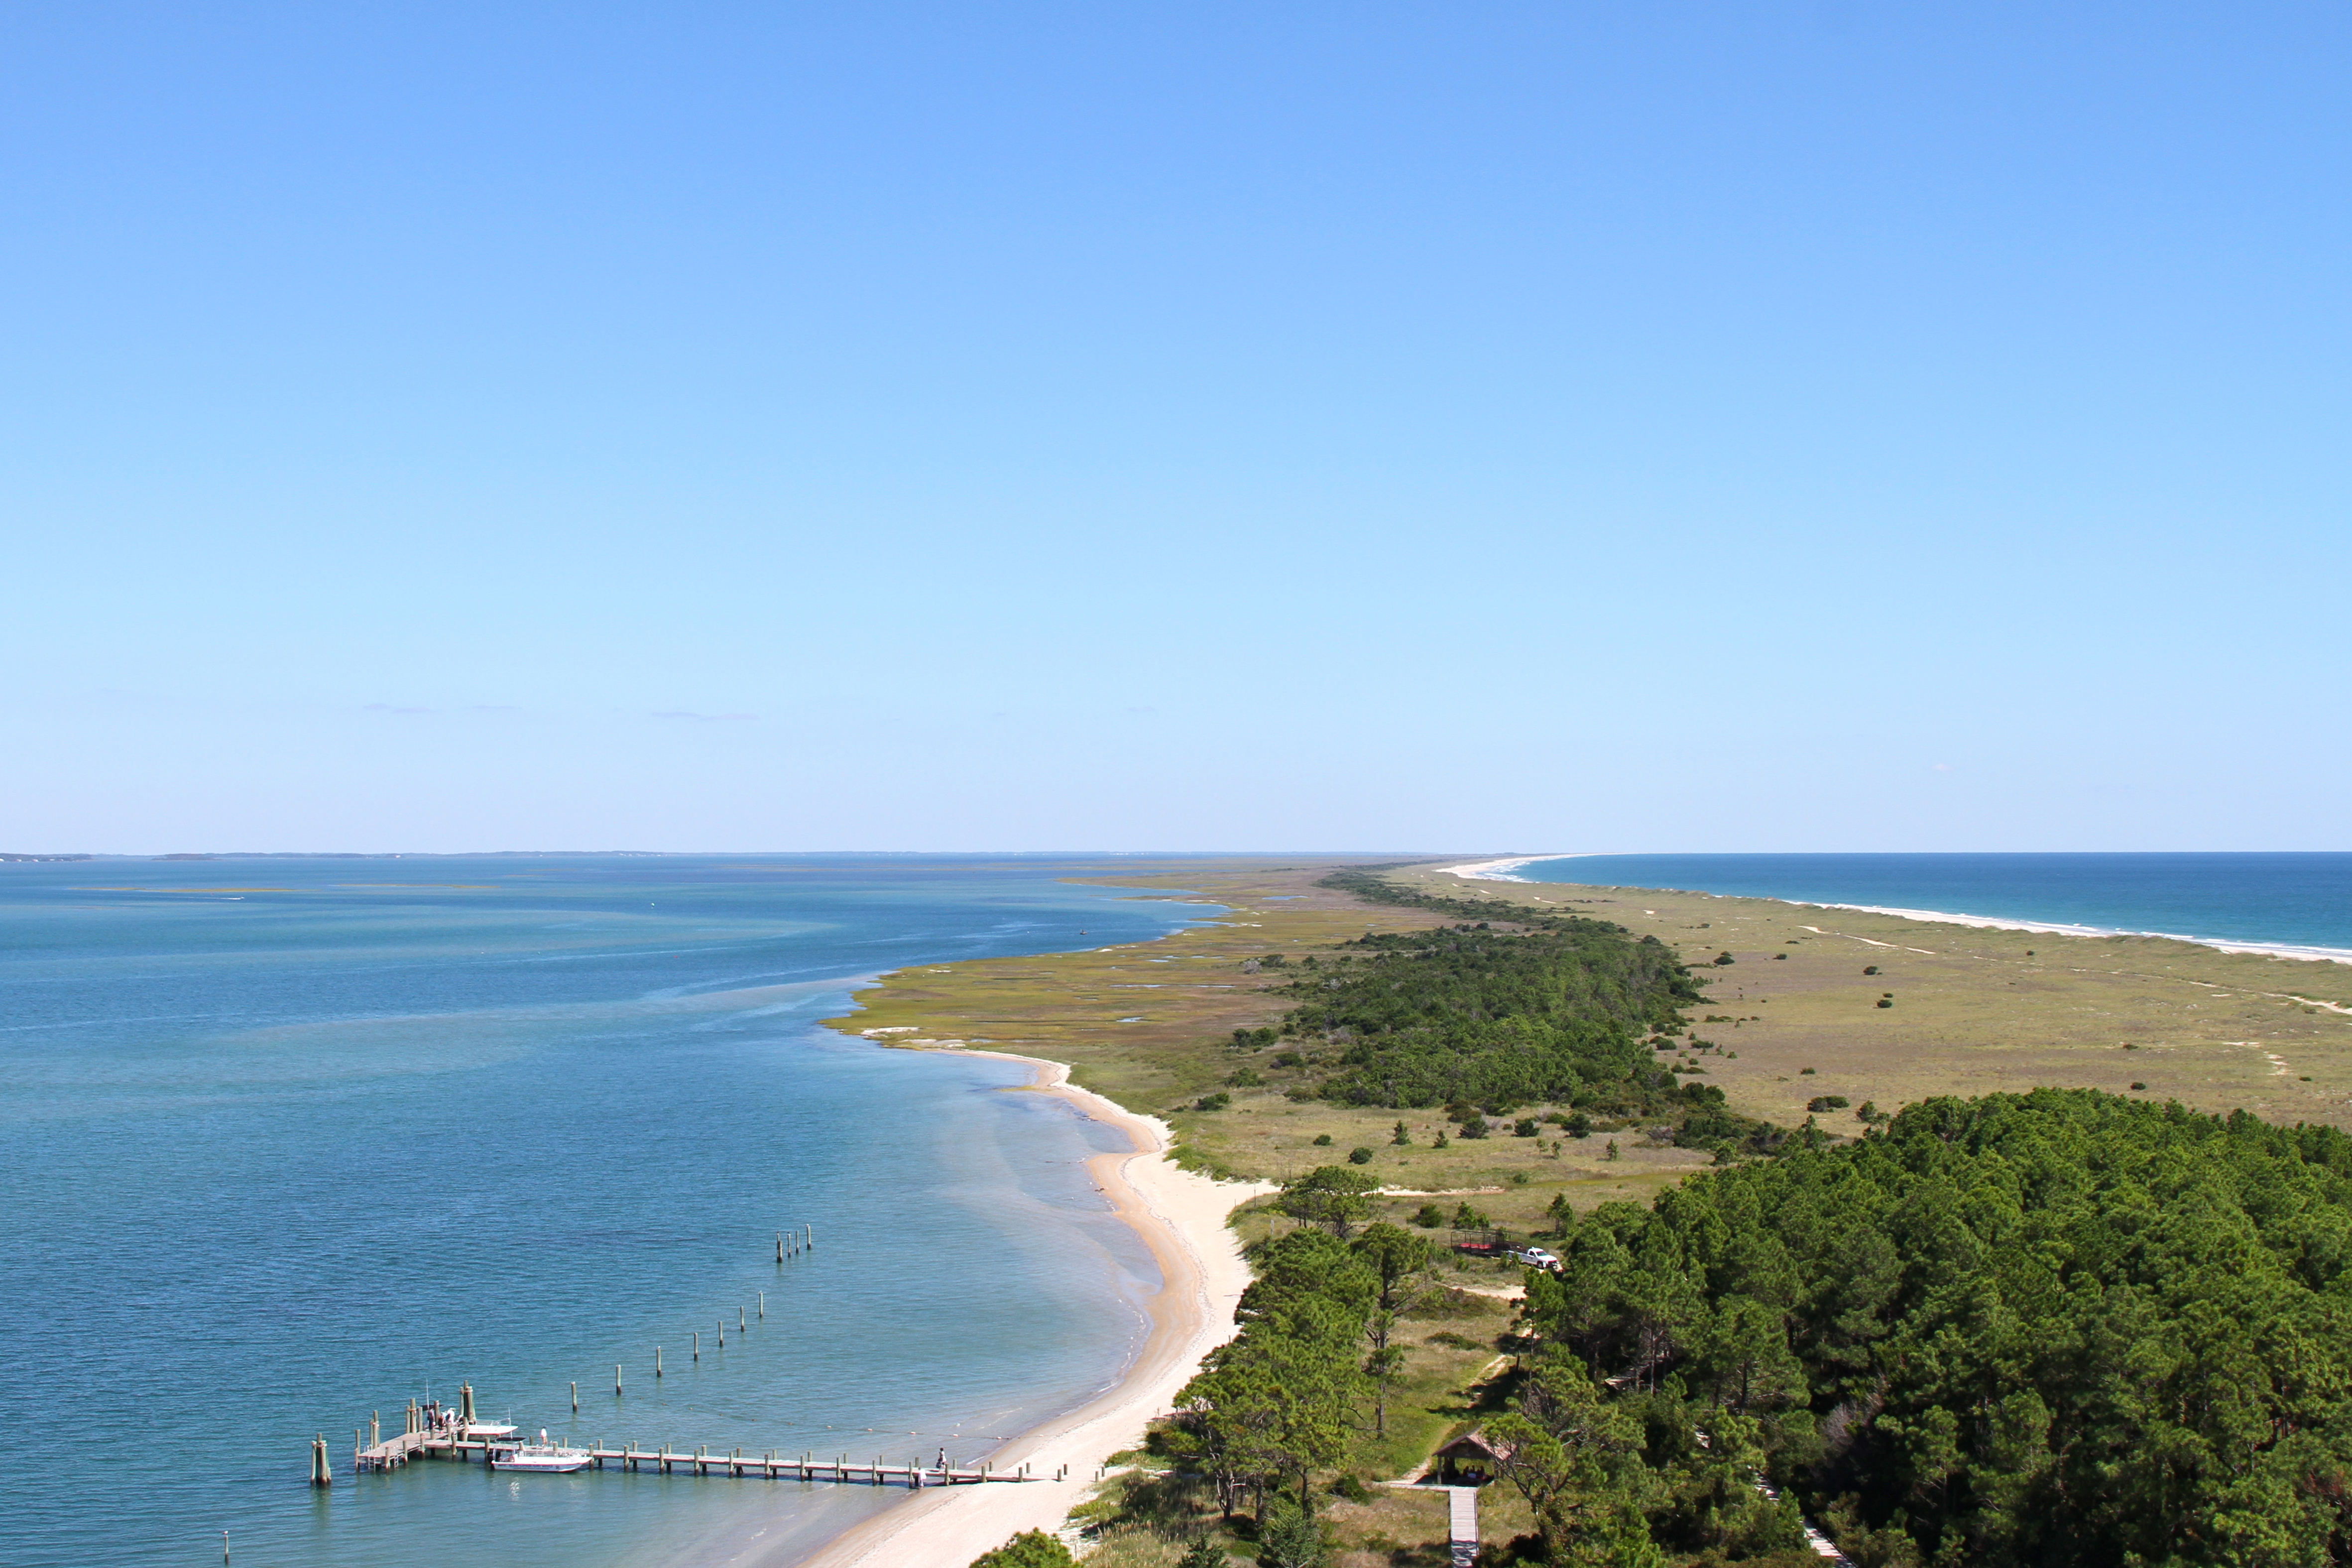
column 1182, row 1219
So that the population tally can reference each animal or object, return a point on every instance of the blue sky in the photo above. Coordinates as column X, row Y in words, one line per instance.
column 1825, row 425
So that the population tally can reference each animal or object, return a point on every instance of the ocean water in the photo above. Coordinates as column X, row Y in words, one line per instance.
column 283, row 1142
column 2291, row 900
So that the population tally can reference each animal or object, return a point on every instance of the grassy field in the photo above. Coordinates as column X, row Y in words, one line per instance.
column 1796, row 1014
column 1976, row 1011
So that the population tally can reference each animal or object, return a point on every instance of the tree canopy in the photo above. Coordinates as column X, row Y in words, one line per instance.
column 2055, row 1329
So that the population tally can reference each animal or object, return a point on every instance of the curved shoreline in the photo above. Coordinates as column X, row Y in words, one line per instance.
column 1180, row 1218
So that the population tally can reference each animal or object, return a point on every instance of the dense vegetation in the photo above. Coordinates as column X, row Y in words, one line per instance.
column 1309, row 1370
column 1504, row 1009
column 2054, row 1329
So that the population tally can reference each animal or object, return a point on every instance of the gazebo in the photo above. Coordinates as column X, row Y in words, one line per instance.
column 1470, row 1460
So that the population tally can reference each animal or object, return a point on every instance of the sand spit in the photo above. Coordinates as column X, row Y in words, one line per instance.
column 1499, row 871
column 1182, row 1219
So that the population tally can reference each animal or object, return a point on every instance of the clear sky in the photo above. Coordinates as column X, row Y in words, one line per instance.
column 1277, row 424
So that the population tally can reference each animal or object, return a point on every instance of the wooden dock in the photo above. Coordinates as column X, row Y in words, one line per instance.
column 394, row 1452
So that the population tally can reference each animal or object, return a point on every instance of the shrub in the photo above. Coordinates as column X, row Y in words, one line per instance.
column 1527, row 1127
column 1804, row 1072
column 1474, row 1128
column 1467, row 1219
column 1429, row 1216
column 1288, row 1059
column 1322, row 1140
column 1828, row 1102
column 1870, row 969
column 1288, row 1537
column 1247, row 1078
column 1216, row 1101
column 1359, row 1156
column 1030, row 1549
column 1203, row 1553
column 1886, row 1000
column 1723, row 958
column 1780, row 955
column 1580, row 1125
column 1401, row 1138
column 2139, row 1086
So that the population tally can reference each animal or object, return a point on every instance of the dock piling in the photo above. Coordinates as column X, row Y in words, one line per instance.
column 616, row 1380
column 575, row 1399
column 763, row 1303
column 657, row 1361
column 698, row 1344
column 322, row 1473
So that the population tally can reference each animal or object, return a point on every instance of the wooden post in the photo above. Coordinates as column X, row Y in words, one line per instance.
column 657, row 1361
column 375, row 1427
column 811, row 1241
column 321, row 1473
column 740, row 1324
column 698, row 1344
column 223, row 1549
column 763, row 1303
column 780, row 1246
column 465, row 1405
column 722, row 1333
column 616, row 1380
column 575, row 1399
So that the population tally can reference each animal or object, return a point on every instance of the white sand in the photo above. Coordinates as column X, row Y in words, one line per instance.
column 1181, row 1218
column 1499, row 871
column 1939, row 917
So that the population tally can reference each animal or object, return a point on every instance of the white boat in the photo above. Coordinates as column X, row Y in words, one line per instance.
column 543, row 1454
column 486, row 1431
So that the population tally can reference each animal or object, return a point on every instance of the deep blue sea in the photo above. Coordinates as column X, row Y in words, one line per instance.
column 2298, row 900
column 286, row 1141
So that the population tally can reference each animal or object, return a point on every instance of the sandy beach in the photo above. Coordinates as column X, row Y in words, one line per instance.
column 1182, row 1219
column 1499, row 871
column 1991, row 922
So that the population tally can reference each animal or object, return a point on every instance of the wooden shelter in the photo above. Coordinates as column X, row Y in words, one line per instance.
column 1471, row 1460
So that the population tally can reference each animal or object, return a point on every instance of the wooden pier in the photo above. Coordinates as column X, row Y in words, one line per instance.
column 394, row 1452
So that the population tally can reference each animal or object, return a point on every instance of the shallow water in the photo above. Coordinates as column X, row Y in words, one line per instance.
column 2290, row 899
column 283, row 1142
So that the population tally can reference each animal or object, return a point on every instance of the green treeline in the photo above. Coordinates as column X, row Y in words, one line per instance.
column 1551, row 1009
column 1309, row 1372
column 2055, row 1329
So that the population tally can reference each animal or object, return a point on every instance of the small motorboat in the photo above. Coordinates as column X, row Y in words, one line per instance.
column 543, row 1454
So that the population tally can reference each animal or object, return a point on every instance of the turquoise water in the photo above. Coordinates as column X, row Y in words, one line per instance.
column 2287, row 899
column 283, row 1142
